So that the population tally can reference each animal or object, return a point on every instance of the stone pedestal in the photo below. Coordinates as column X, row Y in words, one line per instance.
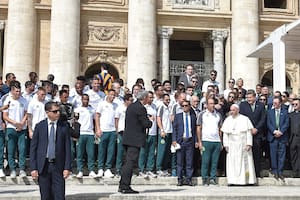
column 245, row 36
column 218, row 37
column 64, row 42
column 164, row 34
column 20, row 39
column 141, row 42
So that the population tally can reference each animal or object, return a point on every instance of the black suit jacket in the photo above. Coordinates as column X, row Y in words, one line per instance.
column 136, row 122
column 39, row 144
column 178, row 127
column 258, row 117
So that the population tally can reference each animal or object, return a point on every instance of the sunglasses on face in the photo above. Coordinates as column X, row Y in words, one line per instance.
column 231, row 96
column 54, row 111
column 231, row 82
column 186, row 105
column 213, row 74
column 262, row 99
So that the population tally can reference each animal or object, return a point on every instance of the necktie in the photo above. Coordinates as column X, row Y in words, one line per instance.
column 277, row 119
column 186, row 126
column 253, row 107
column 51, row 142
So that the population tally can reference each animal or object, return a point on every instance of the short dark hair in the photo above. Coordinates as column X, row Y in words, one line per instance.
column 251, row 92
column 28, row 83
column 50, row 104
column 156, row 87
column 15, row 84
column 213, row 71
column 8, row 75
column 80, row 78
column 127, row 97
column 278, row 97
column 85, row 95
column 61, row 92
column 166, row 81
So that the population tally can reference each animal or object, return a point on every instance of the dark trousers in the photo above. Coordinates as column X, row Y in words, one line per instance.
column 277, row 150
column 132, row 155
column 52, row 183
column 185, row 154
column 257, row 155
column 295, row 155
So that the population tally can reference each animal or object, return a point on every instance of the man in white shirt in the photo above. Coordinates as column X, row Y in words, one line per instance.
column 15, row 117
column 118, row 99
column 2, row 141
column 120, row 126
column 29, row 91
column 86, row 140
column 147, row 153
column 231, row 83
column 36, row 111
column 165, row 138
column 210, row 81
column 95, row 94
column 209, row 123
column 106, row 132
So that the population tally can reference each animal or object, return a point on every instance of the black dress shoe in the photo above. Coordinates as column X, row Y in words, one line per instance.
column 281, row 177
column 180, row 183
column 128, row 191
column 190, row 183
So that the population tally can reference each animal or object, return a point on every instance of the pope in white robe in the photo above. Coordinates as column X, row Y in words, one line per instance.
column 237, row 140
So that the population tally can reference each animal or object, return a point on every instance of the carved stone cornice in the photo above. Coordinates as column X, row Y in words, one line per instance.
column 165, row 32
column 219, row 35
column 196, row 4
column 107, row 2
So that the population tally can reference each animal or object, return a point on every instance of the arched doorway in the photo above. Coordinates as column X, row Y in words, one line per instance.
column 96, row 68
column 268, row 80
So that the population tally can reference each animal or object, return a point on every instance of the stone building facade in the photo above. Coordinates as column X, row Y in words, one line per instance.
column 147, row 39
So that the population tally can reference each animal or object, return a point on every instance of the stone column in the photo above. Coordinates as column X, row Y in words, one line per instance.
column 64, row 42
column 165, row 33
column 245, row 36
column 1, row 44
column 20, row 39
column 207, row 45
column 141, row 42
column 218, row 37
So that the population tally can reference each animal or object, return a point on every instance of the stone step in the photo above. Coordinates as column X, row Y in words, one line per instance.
column 136, row 180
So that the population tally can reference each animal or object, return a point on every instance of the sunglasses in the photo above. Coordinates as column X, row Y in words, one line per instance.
column 231, row 96
column 185, row 105
column 54, row 111
column 213, row 74
column 230, row 82
column 262, row 99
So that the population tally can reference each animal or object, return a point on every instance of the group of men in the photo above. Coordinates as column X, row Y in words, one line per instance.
column 164, row 131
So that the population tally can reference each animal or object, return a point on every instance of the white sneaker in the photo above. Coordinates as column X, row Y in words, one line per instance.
column 92, row 174
column 2, row 173
column 100, row 173
column 108, row 174
column 151, row 174
column 13, row 174
column 160, row 173
column 22, row 174
column 79, row 175
column 144, row 175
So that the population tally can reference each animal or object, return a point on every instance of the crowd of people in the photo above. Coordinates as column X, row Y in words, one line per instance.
column 196, row 129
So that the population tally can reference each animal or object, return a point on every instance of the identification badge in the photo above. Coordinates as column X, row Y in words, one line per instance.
column 162, row 141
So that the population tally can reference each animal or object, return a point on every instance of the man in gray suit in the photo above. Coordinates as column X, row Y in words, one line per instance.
column 186, row 77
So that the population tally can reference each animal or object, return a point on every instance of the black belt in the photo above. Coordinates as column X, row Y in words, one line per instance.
column 51, row 160
column 187, row 139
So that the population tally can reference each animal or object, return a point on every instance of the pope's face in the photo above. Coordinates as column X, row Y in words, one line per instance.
column 234, row 111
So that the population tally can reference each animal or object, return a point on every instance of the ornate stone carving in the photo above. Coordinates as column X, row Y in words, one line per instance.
column 165, row 32
column 197, row 4
column 104, row 33
column 89, row 58
column 219, row 35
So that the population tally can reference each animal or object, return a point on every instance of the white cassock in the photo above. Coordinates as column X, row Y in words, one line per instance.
column 239, row 164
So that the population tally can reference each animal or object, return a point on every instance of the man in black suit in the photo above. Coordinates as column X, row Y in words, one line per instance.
column 256, row 112
column 50, row 154
column 134, row 137
column 185, row 78
column 184, row 133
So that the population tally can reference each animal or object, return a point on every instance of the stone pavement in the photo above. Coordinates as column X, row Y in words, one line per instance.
column 109, row 192
column 155, row 189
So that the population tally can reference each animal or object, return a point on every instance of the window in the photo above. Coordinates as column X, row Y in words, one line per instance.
column 279, row 4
